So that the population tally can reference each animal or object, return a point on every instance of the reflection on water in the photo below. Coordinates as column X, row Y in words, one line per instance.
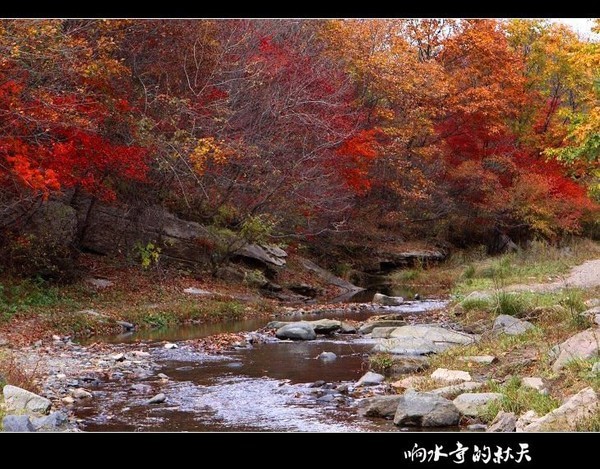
column 264, row 388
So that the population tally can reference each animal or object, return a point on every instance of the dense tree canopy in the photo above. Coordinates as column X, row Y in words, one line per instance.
column 449, row 129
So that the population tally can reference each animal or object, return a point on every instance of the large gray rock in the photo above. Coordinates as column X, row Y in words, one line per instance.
column 584, row 345
column 54, row 422
column 504, row 422
column 370, row 379
column 20, row 400
column 369, row 326
column 425, row 410
column 472, row 404
column 575, row 409
column 296, row 331
column 325, row 326
column 380, row 406
column 510, row 325
column 385, row 300
column 17, row 423
column 422, row 340
column 525, row 419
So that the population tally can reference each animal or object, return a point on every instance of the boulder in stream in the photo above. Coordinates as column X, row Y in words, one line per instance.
column 385, row 300
column 296, row 331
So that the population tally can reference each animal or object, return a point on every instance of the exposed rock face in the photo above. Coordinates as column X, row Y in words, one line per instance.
column 510, row 325
column 583, row 345
column 17, row 423
column 578, row 407
column 270, row 255
column 425, row 410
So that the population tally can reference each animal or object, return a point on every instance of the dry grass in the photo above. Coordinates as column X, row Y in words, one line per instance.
column 12, row 372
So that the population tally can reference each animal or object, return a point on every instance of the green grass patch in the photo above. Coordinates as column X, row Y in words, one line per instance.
column 19, row 296
column 380, row 362
column 518, row 399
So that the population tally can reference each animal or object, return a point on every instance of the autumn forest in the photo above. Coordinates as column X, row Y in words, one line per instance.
column 434, row 128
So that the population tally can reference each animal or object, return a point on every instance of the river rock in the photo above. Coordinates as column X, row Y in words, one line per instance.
column 575, row 409
column 170, row 346
column 325, row 326
column 118, row 357
column 422, row 340
column 296, row 331
column 385, row 300
column 127, row 326
column 451, row 376
column 21, row 400
column 347, row 328
column 504, row 422
column 158, row 399
column 450, row 392
column 534, row 383
column 472, row 404
column 527, row 418
column 425, row 410
column 327, row 356
column 402, row 365
column 81, row 393
column 382, row 332
column 380, row 406
column 370, row 326
column 596, row 367
column 370, row 379
column 482, row 359
column 510, row 325
column 17, row 423
column 54, row 422
column 584, row 345
column 477, row 427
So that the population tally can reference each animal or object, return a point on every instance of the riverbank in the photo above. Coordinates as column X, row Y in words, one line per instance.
column 81, row 379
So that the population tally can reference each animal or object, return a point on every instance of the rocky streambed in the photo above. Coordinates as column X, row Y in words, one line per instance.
column 304, row 371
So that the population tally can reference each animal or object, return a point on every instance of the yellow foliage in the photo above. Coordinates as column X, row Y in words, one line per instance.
column 208, row 149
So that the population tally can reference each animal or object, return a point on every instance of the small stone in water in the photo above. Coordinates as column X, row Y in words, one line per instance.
column 170, row 346
column 158, row 399
column 119, row 357
column 162, row 376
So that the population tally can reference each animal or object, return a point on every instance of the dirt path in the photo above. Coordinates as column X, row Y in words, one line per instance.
column 586, row 275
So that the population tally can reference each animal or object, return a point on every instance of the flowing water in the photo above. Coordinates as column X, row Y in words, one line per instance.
column 263, row 388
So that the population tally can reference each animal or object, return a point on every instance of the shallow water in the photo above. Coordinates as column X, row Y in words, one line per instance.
column 264, row 388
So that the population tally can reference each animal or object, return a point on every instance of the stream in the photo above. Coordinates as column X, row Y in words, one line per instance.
column 263, row 388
